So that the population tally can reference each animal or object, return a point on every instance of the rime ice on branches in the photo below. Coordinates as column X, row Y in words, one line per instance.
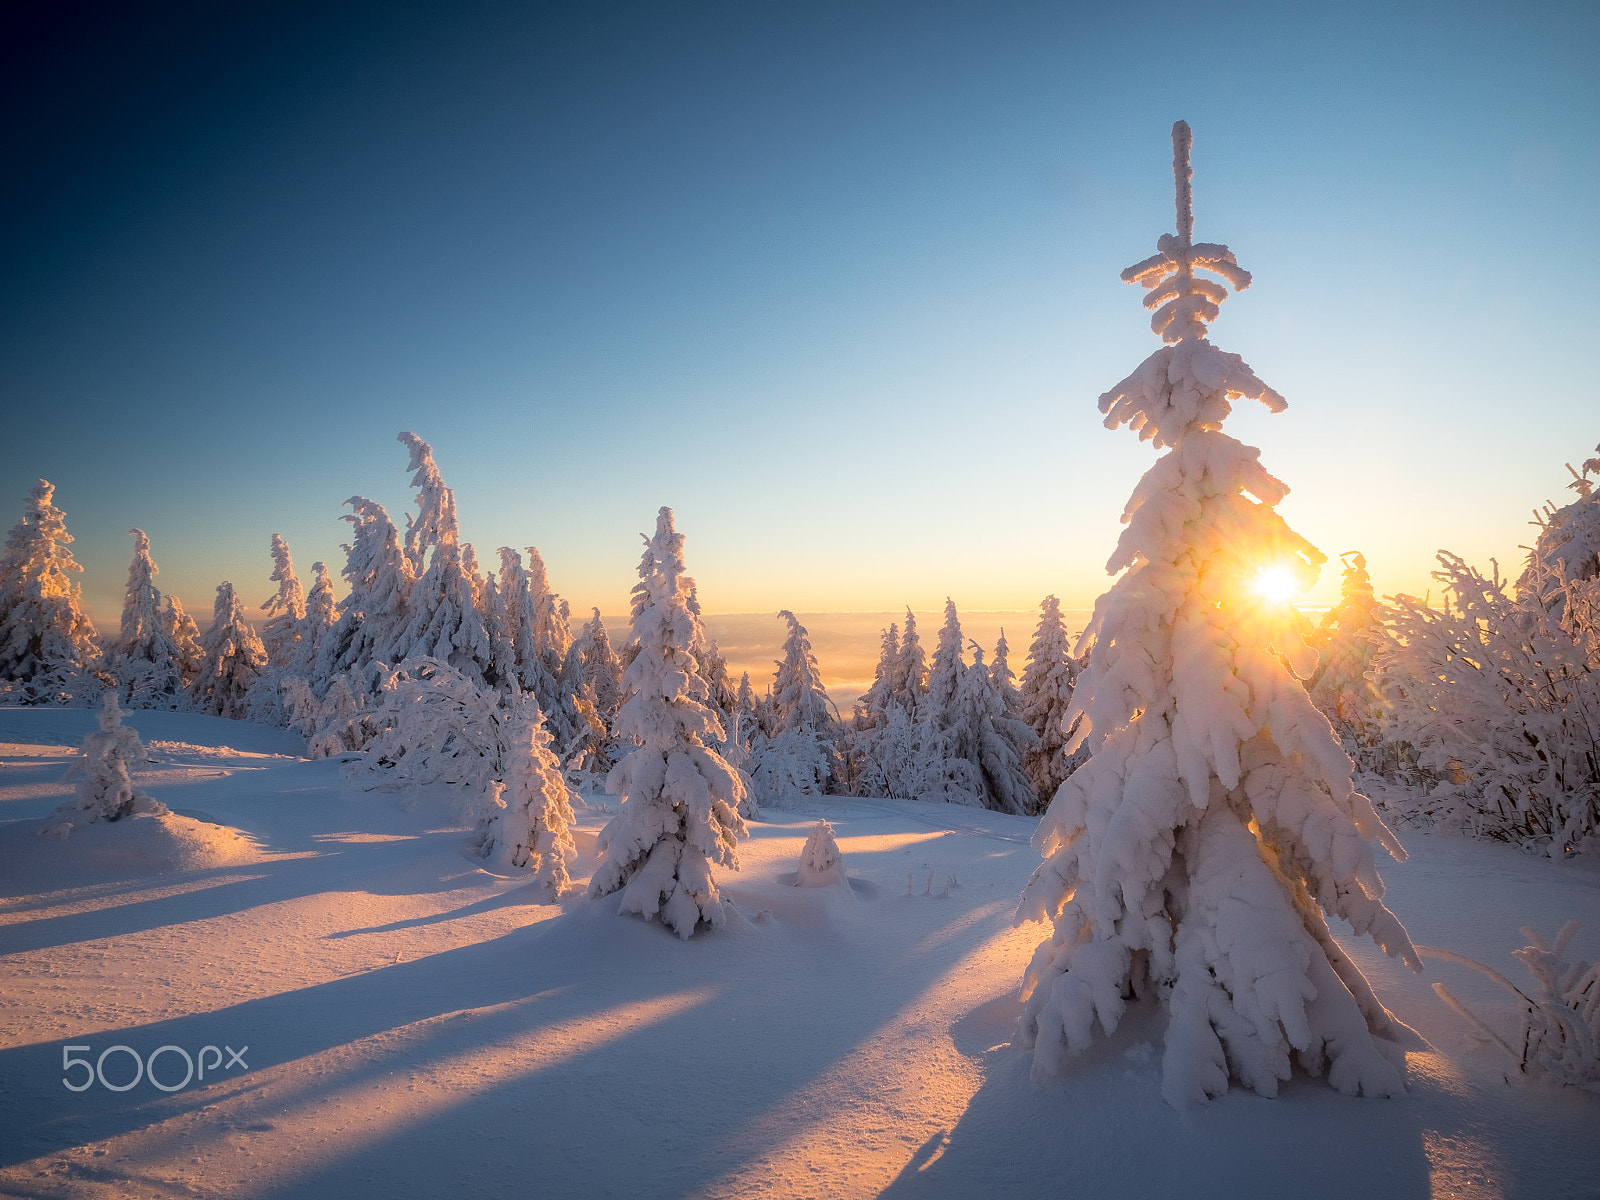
column 1200, row 851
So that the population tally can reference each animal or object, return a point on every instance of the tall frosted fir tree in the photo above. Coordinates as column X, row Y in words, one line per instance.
column 680, row 799
column 1199, row 852
column 234, row 658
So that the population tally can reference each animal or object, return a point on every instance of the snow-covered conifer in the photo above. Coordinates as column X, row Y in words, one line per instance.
column 185, row 635
column 435, row 521
column 911, row 669
column 285, row 610
column 798, row 757
column 593, row 669
column 1197, row 855
column 994, row 740
column 234, row 658
column 321, row 611
column 536, row 632
column 43, row 628
column 872, row 709
column 680, row 799
column 1046, row 693
column 105, row 792
column 944, row 673
column 799, row 700
column 444, row 620
column 531, row 825
column 1341, row 686
column 821, row 861
column 372, row 616
column 146, row 659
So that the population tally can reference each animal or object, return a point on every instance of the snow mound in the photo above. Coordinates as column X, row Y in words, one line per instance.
column 141, row 844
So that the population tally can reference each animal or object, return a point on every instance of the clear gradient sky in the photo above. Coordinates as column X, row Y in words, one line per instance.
column 838, row 282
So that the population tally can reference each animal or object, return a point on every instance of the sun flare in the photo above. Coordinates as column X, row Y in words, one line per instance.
column 1277, row 584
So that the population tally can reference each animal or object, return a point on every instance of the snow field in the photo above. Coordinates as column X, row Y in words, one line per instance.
column 418, row 1026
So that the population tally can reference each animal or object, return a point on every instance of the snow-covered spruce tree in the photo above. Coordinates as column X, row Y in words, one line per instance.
column 146, row 658
column 531, row 821
column 911, row 669
column 994, row 740
column 1197, row 854
column 1498, row 704
column 798, row 758
column 234, row 659
column 680, row 799
column 539, row 639
column 944, row 673
column 321, row 610
column 592, row 668
column 821, row 861
column 872, row 708
column 444, row 620
column 1046, row 691
column 285, row 609
column 372, row 616
column 1341, row 686
column 47, row 642
column 105, row 792
column 185, row 635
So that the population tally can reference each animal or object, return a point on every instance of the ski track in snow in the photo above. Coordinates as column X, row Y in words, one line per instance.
column 419, row 1027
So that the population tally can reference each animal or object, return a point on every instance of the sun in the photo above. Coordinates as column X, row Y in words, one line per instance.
column 1277, row 584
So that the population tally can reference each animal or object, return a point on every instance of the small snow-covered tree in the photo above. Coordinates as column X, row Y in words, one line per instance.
column 680, row 799
column 821, row 861
column 1046, row 695
column 105, row 791
column 44, row 631
column 234, row 659
column 530, row 822
column 1199, row 852
column 146, row 659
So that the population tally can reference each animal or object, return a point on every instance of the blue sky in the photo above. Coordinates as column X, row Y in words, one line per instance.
column 838, row 282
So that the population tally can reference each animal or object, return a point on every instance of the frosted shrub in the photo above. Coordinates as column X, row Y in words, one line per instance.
column 1558, row 1038
column 1500, row 708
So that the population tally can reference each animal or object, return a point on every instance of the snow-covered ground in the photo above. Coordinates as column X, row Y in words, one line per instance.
column 417, row 1026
